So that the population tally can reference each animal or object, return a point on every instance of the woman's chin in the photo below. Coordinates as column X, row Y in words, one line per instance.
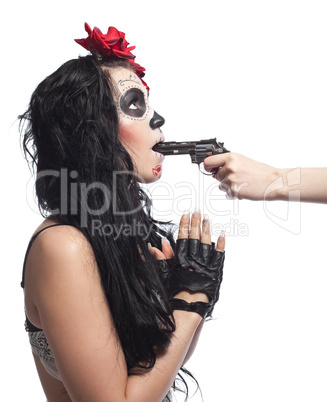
column 157, row 172
column 152, row 177
column 155, row 176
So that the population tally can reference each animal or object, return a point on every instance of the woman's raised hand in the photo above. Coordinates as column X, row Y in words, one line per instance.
column 197, row 270
column 193, row 279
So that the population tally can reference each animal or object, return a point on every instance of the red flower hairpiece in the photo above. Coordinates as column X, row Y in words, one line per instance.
column 111, row 44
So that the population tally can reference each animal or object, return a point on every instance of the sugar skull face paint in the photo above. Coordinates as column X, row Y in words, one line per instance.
column 157, row 170
column 132, row 103
column 139, row 124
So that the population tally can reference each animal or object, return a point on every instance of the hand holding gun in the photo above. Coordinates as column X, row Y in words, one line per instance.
column 198, row 150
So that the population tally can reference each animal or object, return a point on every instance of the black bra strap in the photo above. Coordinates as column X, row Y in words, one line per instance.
column 29, row 247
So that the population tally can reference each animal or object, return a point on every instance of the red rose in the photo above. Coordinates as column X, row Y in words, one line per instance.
column 113, row 43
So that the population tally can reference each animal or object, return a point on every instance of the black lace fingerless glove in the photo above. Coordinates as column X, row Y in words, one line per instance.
column 196, row 267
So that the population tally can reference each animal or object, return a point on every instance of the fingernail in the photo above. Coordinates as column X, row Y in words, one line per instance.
column 185, row 215
column 221, row 237
column 150, row 247
column 164, row 240
column 196, row 213
column 205, row 220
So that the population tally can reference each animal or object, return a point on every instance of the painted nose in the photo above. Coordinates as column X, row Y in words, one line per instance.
column 156, row 121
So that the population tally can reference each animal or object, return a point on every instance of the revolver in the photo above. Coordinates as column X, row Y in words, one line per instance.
column 198, row 150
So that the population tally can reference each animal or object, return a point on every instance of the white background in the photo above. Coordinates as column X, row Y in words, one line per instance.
column 252, row 74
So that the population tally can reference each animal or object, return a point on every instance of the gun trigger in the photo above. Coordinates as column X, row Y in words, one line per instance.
column 202, row 171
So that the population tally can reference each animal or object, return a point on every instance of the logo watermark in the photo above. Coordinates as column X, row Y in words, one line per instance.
column 98, row 228
column 174, row 199
column 288, row 214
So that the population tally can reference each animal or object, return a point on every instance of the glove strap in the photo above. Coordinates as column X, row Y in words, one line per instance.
column 200, row 308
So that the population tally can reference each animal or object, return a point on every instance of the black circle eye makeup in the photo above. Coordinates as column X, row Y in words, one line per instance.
column 132, row 103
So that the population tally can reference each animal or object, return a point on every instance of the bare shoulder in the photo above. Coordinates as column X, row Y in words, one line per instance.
column 65, row 237
column 60, row 245
column 60, row 258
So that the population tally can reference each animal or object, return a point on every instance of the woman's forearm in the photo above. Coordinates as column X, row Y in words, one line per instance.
column 303, row 184
column 155, row 384
column 194, row 342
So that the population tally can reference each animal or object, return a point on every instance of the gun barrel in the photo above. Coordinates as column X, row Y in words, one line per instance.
column 175, row 148
column 197, row 149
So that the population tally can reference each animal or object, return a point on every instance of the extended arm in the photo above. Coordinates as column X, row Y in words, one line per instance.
column 246, row 178
column 311, row 182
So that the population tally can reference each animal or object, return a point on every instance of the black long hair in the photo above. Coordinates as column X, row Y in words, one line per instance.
column 85, row 178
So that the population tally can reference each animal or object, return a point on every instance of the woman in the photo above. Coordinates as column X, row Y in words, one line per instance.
column 112, row 313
